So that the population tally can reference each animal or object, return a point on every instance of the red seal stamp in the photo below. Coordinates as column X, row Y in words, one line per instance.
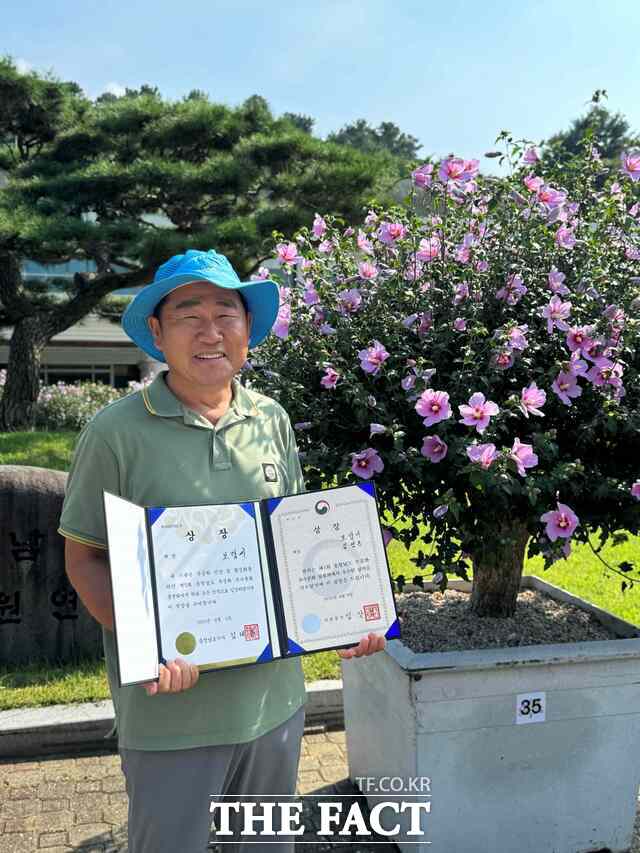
column 371, row 612
column 251, row 632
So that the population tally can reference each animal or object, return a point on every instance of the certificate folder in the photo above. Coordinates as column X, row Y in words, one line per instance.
column 230, row 585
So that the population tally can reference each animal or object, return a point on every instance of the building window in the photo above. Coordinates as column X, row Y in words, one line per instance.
column 125, row 373
column 116, row 375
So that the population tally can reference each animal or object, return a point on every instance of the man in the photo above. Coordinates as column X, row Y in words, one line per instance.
column 194, row 436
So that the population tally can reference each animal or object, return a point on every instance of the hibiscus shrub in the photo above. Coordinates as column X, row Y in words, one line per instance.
column 71, row 406
column 480, row 363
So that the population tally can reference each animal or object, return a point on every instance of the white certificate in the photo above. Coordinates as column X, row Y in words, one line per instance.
column 234, row 584
column 209, row 584
column 332, row 565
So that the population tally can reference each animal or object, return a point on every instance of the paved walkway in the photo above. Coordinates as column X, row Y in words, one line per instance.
column 78, row 802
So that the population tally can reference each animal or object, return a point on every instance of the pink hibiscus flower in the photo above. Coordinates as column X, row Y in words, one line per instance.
column 428, row 249
column 319, row 226
column 566, row 387
column 516, row 338
column 457, row 169
column 372, row 358
column 434, row 448
column 387, row 535
column 533, row 183
column 287, row 253
column 576, row 365
column 606, row 372
column 513, row 291
column 422, row 176
column 349, row 301
column 531, row 399
column 426, row 323
column 483, row 454
column 413, row 269
column 310, row 295
column 503, row 360
column 461, row 292
column 565, row 238
column 578, row 338
column 561, row 522
column 556, row 282
column 478, row 412
column 550, row 197
column 556, row 313
column 261, row 275
column 631, row 164
column 364, row 244
column 281, row 326
column 367, row 271
column 330, row 378
column 523, row 456
column 389, row 232
column 433, row 406
column 366, row 463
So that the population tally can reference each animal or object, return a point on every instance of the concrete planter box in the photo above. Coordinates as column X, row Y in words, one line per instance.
column 567, row 784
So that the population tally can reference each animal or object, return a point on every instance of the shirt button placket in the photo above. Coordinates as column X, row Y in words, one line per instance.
column 222, row 460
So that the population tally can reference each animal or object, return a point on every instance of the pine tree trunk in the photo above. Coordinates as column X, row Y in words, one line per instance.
column 32, row 331
column 497, row 571
column 20, row 393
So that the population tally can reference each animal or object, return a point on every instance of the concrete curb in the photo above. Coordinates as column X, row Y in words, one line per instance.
column 58, row 728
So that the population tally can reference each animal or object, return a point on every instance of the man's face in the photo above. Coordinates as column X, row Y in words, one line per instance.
column 203, row 333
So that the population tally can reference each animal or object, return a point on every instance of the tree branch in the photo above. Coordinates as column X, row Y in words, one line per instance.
column 68, row 313
column 128, row 265
column 608, row 566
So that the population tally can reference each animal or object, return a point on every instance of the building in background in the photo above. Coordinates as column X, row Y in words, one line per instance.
column 94, row 349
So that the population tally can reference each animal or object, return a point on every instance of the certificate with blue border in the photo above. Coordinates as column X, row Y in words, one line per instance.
column 231, row 585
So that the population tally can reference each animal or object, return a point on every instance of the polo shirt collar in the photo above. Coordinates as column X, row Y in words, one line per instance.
column 160, row 400
column 243, row 400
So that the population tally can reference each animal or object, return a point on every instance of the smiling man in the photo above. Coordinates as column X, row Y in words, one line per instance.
column 194, row 436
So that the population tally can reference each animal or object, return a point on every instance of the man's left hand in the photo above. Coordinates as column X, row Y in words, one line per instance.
column 368, row 645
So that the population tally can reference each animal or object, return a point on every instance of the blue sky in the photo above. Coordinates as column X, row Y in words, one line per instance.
column 451, row 73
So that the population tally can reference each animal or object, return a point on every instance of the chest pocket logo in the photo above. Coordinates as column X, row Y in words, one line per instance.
column 270, row 472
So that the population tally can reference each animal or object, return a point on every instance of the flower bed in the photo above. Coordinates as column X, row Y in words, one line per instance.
column 70, row 406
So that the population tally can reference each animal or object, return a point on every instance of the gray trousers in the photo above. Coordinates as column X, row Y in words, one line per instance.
column 170, row 791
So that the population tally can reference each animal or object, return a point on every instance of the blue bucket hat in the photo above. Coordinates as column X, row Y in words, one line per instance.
column 262, row 298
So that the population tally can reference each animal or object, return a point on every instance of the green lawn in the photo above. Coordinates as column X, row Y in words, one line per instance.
column 34, row 685
column 41, row 449
column 582, row 574
column 38, row 685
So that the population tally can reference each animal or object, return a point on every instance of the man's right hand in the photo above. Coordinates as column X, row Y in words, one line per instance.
column 177, row 675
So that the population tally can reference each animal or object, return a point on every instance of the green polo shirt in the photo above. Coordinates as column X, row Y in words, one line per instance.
column 151, row 449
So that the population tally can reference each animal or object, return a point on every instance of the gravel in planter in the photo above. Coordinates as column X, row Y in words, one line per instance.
column 442, row 622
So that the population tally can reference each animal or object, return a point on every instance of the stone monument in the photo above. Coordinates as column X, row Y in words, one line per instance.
column 41, row 617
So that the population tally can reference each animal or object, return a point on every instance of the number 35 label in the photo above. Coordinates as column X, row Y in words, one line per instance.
column 530, row 707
